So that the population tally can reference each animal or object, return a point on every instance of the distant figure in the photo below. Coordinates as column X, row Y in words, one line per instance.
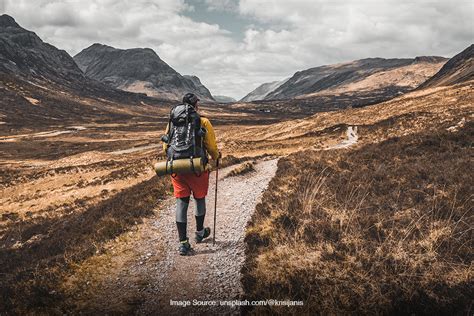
column 193, row 136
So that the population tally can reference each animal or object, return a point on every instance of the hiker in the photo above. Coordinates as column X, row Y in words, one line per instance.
column 201, row 142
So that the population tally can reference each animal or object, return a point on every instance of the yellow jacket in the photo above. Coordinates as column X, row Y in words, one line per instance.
column 210, row 142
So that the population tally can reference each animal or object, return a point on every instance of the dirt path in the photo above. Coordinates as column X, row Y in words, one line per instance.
column 143, row 271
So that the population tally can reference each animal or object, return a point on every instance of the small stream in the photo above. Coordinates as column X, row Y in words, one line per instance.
column 352, row 138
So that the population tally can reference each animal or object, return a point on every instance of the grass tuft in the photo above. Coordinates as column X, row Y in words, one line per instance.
column 242, row 169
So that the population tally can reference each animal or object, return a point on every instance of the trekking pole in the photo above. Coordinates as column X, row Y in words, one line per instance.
column 215, row 203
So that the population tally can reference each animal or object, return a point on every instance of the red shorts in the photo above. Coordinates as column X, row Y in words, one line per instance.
column 184, row 184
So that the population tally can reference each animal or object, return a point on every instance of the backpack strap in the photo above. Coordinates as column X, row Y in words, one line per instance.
column 173, row 175
column 193, row 169
column 197, row 133
column 171, row 164
column 170, row 125
column 192, row 164
column 203, row 146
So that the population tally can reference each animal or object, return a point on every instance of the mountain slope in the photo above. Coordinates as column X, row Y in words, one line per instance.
column 458, row 69
column 262, row 91
column 24, row 55
column 224, row 99
column 200, row 88
column 136, row 70
column 364, row 72
column 41, row 85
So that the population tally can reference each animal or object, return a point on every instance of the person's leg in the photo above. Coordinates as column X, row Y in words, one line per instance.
column 200, row 213
column 182, row 217
column 201, row 231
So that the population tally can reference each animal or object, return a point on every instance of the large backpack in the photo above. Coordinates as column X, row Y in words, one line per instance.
column 185, row 136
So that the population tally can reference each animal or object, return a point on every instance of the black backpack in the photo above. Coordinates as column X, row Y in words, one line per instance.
column 185, row 135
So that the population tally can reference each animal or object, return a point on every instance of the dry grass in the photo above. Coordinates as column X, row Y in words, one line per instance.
column 387, row 229
column 242, row 169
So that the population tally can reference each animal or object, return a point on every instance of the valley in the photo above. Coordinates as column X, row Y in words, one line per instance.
column 347, row 181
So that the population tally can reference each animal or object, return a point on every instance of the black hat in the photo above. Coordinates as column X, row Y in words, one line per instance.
column 190, row 98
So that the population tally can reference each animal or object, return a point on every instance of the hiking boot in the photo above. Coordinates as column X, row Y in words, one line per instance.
column 184, row 247
column 200, row 235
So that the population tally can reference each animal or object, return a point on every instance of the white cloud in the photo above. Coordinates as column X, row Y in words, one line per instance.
column 222, row 5
column 389, row 28
column 287, row 36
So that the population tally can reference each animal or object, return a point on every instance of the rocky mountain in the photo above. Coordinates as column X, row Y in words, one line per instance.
column 137, row 70
column 201, row 90
column 24, row 55
column 262, row 91
column 458, row 69
column 41, row 85
column 393, row 75
column 224, row 99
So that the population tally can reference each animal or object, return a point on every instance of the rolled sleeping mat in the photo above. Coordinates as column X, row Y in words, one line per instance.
column 180, row 166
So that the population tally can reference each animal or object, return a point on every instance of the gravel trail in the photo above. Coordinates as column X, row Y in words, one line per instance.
column 210, row 272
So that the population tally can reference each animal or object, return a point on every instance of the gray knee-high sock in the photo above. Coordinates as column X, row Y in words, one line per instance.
column 200, row 213
column 181, row 217
column 182, row 209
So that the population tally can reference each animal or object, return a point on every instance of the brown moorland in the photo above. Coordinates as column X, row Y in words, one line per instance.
column 381, row 228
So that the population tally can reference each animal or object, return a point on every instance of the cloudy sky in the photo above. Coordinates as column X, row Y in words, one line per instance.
column 234, row 46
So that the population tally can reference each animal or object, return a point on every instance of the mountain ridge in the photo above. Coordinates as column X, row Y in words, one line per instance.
column 317, row 79
column 25, row 55
column 137, row 70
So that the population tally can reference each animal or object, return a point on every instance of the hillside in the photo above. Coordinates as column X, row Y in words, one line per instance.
column 388, row 76
column 348, row 85
column 458, row 69
column 384, row 228
column 138, row 70
column 262, row 91
column 25, row 56
column 413, row 112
